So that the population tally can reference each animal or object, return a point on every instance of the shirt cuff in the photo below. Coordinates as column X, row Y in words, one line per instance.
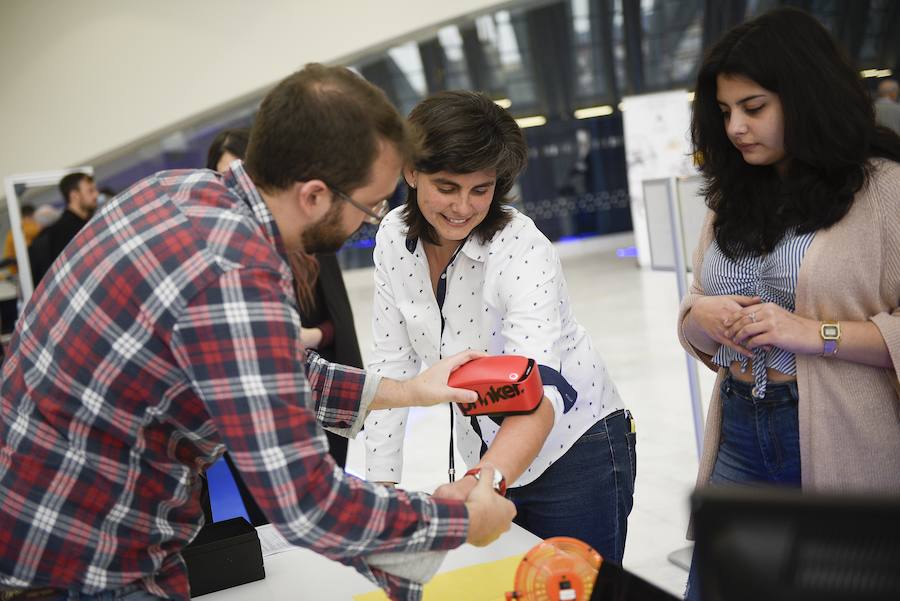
column 388, row 471
column 555, row 398
column 368, row 395
column 449, row 524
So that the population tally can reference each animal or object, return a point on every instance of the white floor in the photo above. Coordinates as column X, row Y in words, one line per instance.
column 630, row 313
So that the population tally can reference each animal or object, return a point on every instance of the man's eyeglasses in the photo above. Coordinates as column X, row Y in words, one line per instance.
column 373, row 215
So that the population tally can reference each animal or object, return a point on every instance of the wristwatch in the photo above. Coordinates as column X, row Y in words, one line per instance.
column 499, row 480
column 831, row 337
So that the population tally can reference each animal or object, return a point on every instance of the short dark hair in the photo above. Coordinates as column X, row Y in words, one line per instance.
column 464, row 132
column 829, row 132
column 322, row 123
column 232, row 140
column 71, row 182
column 26, row 210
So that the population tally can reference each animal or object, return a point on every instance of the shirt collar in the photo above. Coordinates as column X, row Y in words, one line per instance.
column 239, row 183
column 472, row 248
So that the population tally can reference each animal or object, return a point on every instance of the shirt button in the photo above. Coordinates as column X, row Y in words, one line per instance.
column 443, row 276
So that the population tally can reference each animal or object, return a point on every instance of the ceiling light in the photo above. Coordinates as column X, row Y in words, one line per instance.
column 535, row 121
column 875, row 73
column 594, row 111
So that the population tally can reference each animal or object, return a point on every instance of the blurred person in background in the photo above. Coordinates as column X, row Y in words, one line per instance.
column 887, row 111
column 8, row 268
column 80, row 195
column 796, row 285
column 228, row 146
column 105, row 194
column 30, row 228
column 46, row 214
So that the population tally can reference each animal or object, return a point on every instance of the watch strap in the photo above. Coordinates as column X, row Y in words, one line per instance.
column 500, row 486
column 830, row 332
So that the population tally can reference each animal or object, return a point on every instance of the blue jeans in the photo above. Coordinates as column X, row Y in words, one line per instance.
column 759, row 444
column 587, row 493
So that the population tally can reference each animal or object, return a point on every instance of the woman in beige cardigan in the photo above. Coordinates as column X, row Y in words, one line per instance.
column 797, row 274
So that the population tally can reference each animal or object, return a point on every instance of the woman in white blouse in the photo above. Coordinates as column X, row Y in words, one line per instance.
column 456, row 268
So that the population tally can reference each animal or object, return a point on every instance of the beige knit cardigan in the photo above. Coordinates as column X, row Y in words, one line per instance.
column 849, row 413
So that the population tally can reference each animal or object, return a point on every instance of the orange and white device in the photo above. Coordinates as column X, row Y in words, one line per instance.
column 558, row 569
column 505, row 384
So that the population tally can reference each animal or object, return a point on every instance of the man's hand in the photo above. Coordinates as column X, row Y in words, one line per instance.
column 428, row 388
column 458, row 490
column 490, row 514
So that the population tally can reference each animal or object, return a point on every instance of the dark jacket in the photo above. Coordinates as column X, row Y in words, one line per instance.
column 50, row 243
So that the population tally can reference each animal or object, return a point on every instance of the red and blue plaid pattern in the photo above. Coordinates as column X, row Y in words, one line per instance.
column 166, row 332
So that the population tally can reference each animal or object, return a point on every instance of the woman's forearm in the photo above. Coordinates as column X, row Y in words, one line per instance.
column 697, row 337
column 862, row 342
column 519, row 441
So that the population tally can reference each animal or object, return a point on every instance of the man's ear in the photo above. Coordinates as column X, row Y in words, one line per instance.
column 312, row 197
column 411, row 176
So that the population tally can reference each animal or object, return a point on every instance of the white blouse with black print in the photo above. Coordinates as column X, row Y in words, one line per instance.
column 505, row 296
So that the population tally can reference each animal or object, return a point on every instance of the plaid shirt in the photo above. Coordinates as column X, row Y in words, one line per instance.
column 166, row 332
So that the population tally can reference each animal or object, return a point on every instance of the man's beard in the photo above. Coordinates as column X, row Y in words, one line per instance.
column 88, row 210
column 325, row 236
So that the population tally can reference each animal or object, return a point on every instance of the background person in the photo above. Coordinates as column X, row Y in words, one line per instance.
column 8, row 267
column 456, row 268
column 30, row 228
column 797, row 274
column 887, row 111
column 80, row 195
column 168, row 332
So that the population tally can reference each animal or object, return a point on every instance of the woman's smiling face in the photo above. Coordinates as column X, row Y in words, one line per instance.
column 453, row 203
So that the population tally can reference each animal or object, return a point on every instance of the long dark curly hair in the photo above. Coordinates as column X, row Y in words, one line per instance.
column 829, row 133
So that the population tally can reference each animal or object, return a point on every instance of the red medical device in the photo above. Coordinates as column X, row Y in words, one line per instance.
column 506, row 385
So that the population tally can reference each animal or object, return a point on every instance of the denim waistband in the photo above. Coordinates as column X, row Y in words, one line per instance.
column 600, row 424
column 776, row 392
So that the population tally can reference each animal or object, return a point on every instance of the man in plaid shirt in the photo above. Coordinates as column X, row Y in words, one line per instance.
column 168, row 331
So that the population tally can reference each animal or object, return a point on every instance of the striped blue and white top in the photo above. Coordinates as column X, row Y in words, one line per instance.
column 773, row 278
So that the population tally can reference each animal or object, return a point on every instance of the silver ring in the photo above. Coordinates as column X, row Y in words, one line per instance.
column 753, row 317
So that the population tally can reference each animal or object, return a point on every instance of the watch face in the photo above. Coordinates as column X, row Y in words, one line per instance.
column 498, row 478
column 830, row 331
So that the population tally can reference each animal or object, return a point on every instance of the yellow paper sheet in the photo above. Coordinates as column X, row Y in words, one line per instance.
column 483, row 582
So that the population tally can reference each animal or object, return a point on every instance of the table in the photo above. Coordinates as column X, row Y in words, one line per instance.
column 300, row 574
